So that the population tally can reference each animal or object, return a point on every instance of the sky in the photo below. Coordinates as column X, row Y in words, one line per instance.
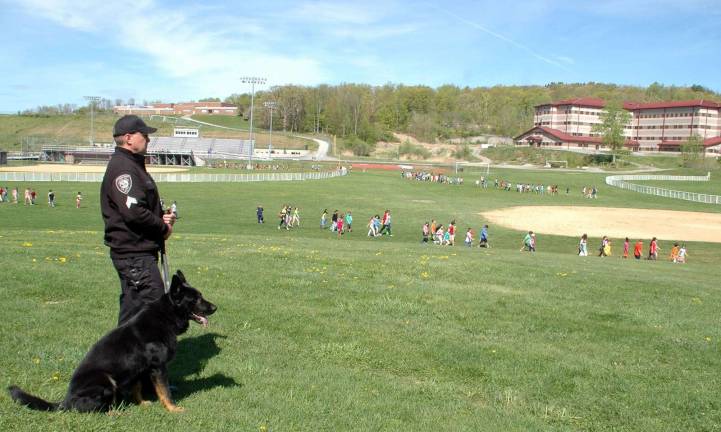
column 58, row 51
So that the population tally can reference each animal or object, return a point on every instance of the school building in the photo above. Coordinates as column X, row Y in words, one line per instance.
column 181, row 108
column 656, row 126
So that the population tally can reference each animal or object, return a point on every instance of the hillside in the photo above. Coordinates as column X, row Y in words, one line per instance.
column 19, row 132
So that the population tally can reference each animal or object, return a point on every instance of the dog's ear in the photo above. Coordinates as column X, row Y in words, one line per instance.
column 180, row 275
column 176, row 283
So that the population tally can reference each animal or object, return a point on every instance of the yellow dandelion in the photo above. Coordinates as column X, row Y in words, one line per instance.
column 36, row 360
column 379, row 253
column 28, row 244
column 562, row 274
column 62, row 259
column 34, row 260
column 56, row 376
column 708, row 339
column 425, row 275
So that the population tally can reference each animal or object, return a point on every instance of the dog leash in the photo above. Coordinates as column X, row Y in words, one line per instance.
column 166, row 271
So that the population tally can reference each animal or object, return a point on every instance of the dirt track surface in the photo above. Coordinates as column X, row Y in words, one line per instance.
column 613, row 222
column 61, row 168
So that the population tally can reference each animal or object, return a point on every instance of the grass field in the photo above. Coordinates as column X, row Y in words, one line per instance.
column 711, row 187
column 317, row 333
column 16, row 131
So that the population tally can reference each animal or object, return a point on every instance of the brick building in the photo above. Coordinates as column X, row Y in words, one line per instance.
column 181, row 108
column 656, row 126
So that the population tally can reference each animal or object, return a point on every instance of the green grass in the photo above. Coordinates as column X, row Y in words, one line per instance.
column 711, row 187
column 227, row 121
column 316, row 333
column 17, row 132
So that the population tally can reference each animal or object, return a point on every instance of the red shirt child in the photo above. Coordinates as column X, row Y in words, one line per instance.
column 638, row 249
column 625, row 248
column 340, row 226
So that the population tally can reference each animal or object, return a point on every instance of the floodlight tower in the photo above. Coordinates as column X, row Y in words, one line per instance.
column 271, row 106
column 252, row 81
column 92, row 100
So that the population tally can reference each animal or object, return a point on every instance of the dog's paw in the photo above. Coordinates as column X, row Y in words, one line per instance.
column 175, row 409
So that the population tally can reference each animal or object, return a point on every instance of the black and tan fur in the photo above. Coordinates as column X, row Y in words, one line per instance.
column 142, row 347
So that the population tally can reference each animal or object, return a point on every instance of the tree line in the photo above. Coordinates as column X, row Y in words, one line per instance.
column 363, row 113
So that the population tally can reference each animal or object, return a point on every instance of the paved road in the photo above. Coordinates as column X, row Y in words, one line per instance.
column 322, row 153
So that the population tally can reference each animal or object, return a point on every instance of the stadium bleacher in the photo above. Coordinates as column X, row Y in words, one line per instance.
column 202, row 147
column 161, row 151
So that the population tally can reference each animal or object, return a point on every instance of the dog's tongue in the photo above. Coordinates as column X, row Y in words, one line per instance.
column 201, row 320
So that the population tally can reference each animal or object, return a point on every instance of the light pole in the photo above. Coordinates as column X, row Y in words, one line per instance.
column 91, row 101
column 252, row 81
column 270, row 105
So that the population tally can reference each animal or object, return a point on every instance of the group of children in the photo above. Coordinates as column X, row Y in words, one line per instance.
column 590, row 192
column 340, row 223
column 430, row 177
column 289, row 216
column 378, row 226
column 506, row 185
column 678, row 254
column 447, row 236
column 30, row 197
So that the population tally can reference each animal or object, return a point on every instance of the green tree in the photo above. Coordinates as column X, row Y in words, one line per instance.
column 613, row 122
column 692, row 150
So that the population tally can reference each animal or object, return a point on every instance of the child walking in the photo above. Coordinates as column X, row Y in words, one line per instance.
column 469, row 238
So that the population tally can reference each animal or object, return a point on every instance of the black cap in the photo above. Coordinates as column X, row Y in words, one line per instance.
column 131, row 124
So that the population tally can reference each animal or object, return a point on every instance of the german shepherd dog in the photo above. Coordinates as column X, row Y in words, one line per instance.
column 120, row 360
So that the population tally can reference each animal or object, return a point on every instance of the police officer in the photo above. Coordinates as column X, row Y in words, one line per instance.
column 135, row 225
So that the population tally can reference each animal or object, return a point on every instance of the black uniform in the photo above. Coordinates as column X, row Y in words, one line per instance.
column 134, row 229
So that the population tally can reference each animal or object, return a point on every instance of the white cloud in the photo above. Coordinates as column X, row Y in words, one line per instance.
column 183, row 46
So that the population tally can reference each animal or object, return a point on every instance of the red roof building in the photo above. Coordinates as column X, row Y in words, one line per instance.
column 181, row 108
column 654, row 126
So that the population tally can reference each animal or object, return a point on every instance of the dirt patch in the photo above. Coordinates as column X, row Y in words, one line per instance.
column 62, row 168
column 384, row 147
column 613, row 222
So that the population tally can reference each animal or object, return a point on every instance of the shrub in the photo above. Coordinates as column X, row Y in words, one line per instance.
column 409, row 149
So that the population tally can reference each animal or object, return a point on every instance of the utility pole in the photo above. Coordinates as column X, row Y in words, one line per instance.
column 92, row 100
column 270, row 105
column 252, row 81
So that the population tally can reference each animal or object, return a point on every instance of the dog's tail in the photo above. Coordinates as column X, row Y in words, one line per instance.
column 30, row 401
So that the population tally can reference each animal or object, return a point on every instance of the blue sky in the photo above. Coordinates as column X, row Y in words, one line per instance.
column 57, row 51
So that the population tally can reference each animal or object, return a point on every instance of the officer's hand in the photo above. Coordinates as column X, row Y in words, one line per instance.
column 170, row 230
column 169, row 218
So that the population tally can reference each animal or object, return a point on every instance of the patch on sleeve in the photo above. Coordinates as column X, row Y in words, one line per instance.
column 124, row 183
column 130, row 201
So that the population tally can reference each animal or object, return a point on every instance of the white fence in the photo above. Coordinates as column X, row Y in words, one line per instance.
column 620, row 181
column 173, row 177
